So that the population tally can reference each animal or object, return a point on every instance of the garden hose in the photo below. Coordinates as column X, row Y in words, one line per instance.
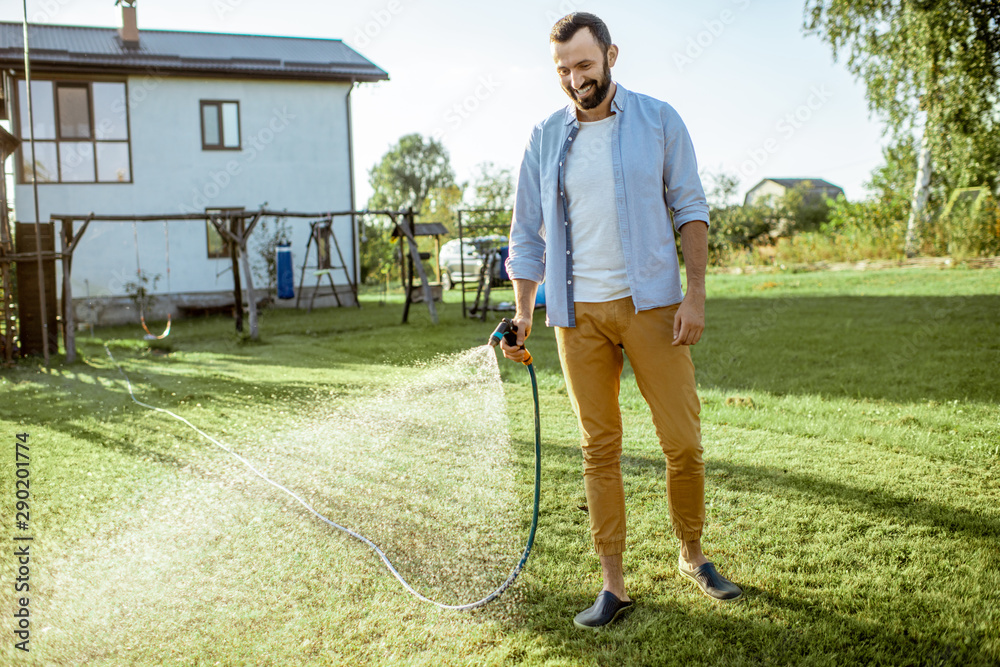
column 381, row 554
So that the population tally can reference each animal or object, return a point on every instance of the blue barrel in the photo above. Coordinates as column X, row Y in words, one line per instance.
column 286, row 274
column 540, row 296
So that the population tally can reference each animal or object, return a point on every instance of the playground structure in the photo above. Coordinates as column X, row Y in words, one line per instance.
column 321, row 233
column 476, row 224
column 411, row 261
column 234, row 225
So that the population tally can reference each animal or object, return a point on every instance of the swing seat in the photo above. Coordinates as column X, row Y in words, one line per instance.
column 149, row 334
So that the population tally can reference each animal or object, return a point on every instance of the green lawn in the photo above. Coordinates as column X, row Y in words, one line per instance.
column 852, row 439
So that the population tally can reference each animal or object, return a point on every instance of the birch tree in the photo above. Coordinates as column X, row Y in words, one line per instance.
column 929, row 66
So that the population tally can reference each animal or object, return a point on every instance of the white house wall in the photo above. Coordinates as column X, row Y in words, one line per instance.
column 294, row 156
column 764, row 190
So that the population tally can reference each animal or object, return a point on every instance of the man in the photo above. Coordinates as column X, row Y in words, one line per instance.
column 598, row 186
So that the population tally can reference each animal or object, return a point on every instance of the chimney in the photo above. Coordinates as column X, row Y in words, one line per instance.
column 129, row 31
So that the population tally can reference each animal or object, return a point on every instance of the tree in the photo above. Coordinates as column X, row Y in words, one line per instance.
column 492, row 188
column 800, row 210
column 933, row 64
column 725, row 187
column 404, row 177
column 408, row 172
column 891, row 180
column 442, row 205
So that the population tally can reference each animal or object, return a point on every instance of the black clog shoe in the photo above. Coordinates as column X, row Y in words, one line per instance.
column 605, row 609
column 712, row 584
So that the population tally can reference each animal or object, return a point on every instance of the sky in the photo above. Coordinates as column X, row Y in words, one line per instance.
column 760, row 99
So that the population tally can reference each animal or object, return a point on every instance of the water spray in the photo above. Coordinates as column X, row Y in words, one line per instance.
column 505, row 330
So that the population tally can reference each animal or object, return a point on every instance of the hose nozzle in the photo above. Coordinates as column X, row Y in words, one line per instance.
column 508, row 332
column 504, row 329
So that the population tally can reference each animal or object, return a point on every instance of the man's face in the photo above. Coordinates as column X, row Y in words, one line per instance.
column 584, row 70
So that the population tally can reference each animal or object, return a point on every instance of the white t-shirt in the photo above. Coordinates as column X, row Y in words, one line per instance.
column 598, row 261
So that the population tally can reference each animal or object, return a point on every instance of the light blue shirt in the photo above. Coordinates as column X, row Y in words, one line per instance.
column 656, row 178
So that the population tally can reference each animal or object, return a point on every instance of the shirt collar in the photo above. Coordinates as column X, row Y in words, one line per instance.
column 617, row 102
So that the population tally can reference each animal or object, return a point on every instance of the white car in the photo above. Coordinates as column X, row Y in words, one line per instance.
column 472, row 252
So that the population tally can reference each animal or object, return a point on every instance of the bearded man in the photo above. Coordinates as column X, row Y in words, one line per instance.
column 603, row 186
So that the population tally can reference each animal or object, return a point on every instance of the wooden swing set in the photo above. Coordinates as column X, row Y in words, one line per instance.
column 235, row 227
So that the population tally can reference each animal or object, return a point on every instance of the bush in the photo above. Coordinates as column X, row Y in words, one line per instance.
column 801, row 211
column 972, row 225
column 871, row 229
column 735, row 229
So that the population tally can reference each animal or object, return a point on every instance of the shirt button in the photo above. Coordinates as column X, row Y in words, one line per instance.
column 569, row 282
column 567, row 252
column 560, row 164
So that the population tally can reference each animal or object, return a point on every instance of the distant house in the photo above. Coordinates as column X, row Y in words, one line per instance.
column 156, row 121
column 776, row 188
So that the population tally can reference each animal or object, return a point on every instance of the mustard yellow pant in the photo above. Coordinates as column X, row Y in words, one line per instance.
column 592, row 361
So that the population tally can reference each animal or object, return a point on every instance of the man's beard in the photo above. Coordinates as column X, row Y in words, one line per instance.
column 601, row 89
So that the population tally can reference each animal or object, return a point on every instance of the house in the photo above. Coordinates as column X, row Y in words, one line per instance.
column 775, row 188
column 148, row 122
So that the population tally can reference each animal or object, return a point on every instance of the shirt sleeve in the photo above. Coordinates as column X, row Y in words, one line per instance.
column 526, row 259
column 685, row 195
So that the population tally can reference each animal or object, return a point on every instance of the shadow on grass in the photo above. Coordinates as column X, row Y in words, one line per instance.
column 764, row 479
column 883, row 347
column 906, row 509
column 896, row 348
column 762, row 629
column 320, row 340
column 79, row 398
column 767, row 627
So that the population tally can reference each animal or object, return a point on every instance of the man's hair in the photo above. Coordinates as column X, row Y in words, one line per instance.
column 567, row 26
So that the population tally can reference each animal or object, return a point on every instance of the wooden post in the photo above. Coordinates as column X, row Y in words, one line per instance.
column 8, row 321
column 406, row 267
column 69, row 325
column 237, row 235
column 248, row 277
column 234, row 255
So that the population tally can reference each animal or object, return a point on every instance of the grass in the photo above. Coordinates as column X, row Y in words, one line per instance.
column 852, row 441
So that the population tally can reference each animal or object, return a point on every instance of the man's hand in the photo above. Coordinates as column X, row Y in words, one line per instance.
column 524, row 299
column 517, row 353
column 689, row 321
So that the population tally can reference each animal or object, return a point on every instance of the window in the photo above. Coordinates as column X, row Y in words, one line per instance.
column 218, row 247
column 81, row 132
column 220, row 125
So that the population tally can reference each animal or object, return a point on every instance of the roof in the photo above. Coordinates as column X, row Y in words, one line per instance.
column 819, row 188
column 424, row 229
column 62, row 48
column 817, row 183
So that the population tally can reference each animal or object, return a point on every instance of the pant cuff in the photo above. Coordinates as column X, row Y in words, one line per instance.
column 688, row 536
column 610, row 548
